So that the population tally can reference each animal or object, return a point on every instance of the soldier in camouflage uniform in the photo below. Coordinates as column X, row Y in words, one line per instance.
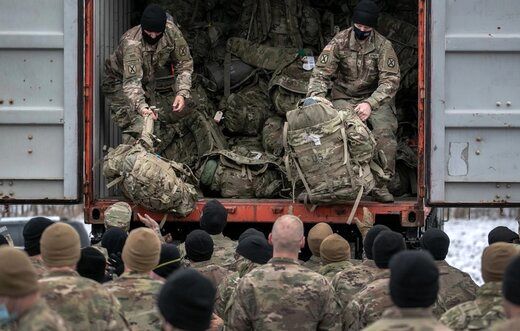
column 135, row 289
column 456, row 286
column 335, row 255
column 368, row 305
column 487, row 308
column 414, row 283
column 314, row 238
column 511, row 293
column 283, row 295
column 367, row 80
column 32, row 233
column 81, row 302
column 21, row 307
column 152, row 56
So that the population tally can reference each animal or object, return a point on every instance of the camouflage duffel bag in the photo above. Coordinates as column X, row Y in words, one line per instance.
column 234, row 176
column 329, row 154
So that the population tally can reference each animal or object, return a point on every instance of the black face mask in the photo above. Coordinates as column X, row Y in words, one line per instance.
column 361, row 35
column 150, row 40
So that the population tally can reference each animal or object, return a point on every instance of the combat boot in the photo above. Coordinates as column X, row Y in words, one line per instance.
column 381, row 194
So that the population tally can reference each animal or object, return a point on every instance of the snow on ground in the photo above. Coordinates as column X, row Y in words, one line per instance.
column 468, row 240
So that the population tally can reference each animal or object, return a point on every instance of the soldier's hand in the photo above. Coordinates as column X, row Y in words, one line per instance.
column 366, row 224
column 148, row 221
column 178, row 104
column 363, row 110
column 148, row 112
column 216, row 323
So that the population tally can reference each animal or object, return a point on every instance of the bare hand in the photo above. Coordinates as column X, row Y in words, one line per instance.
column 178, row 104
column 148, row 112
column 363, row 110
column 216, row 323
column 148, row 221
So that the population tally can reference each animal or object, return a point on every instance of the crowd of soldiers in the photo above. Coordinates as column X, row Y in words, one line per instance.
column 139, row 280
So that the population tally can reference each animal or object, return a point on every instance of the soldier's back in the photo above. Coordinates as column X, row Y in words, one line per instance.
column 332, row 269
column 412, row 319
column 38, row 318
column 349, row 282
column 137, row 294
column 223, row 251
column 213, row 272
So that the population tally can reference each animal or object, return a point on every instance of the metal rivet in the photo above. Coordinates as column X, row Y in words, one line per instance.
column 508, row 197
column 30, row 151
column 477, row 152
column 508, row 103
column 497, row 196
column 11, row 101
column 478, row 139
column 499, row 103
column 498, row 185
column 11, row 183
column 30, row 137
column 11, row 193
column 508, row 185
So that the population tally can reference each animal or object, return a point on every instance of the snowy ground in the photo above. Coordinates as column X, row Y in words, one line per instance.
column 468, row 240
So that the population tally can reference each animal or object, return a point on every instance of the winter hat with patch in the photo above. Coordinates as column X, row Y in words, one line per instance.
column 186, row 300
column 169, row 262
column 32, row 233
column 495, row 260
column 60, row 246
column 153, row 18
column 366, row 13
column 142, row 250
column 17, row 275
column 256, row 249
column 368, row 243
column 386, row 245
column 334, row 248
column 214, row 217
column 511, row 283
column 502, row 234
column 118, row 215
column 92, row 264
column 436, row 242
column 199, row 246
column 316, row 235
column 414, row 279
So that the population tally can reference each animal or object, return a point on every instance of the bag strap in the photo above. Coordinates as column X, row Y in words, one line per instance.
column 115, row 182
column 355, row 206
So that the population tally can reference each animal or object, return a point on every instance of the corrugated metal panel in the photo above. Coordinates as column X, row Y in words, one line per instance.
column 475, row 104
column 112, row 19
column 39, row 100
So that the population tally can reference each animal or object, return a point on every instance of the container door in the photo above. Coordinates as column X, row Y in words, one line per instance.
column 474, row 102
column 39, row 105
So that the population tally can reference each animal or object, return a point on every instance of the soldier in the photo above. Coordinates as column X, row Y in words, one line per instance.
column 112, row 245
column 486, row 309
column 511, row 301
column 368, row 305
column 368, row 78
column 282, row 294
column 414, row 283
column 169, row 262
column 316, row 235
column 135, row 289
column 502, row 234
column 199, row 251
column 153, row 51
column 455, row 286
column 32, row 233
column 81, row 302
column 21, row 307
column 92, row 264
column 335, row 255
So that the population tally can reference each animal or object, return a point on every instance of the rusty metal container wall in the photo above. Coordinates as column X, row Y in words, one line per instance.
column 39, row 101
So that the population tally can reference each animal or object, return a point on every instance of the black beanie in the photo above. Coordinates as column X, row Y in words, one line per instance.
column 511, row 282
column 386, row 245
column 250, row 232
column 92, row 264
column 114, row 240
column 186, row 300
column 199, row 246
column 32, row 233
column 414, row 279
column 214, row 217
column 169, row 262
column 366, row 13
column 368, row 243
column 256, row 249
column 436, row 242
column 153, row 18
column 502, row 234
column 3, row 240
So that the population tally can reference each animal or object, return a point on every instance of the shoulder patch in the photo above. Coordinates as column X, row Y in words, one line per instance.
column 390, row 62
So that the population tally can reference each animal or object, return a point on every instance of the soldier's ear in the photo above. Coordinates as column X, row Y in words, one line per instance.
column 302, row 242
column 270, row 239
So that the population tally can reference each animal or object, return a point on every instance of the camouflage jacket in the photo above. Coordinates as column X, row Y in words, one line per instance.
column 330, row 270
column 137, row 294
column 136, row 65
column 409, row 319
column 38, row 265
column 349, row 282
column 368, row 305
column 367, row 72
column 38, row 318
column 314, row 263
column 283, row 295
column 480, row 313
column 223, row 251
column 82, row 303
column 212, row 271
column 455, row 287
column 509, row 325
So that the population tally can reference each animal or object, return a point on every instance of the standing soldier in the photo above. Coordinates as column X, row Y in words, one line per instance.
column 367, row 80
column 154, row 51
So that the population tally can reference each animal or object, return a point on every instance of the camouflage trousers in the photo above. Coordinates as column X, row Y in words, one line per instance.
column 384, row 127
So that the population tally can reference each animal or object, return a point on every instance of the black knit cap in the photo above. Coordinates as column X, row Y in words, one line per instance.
column 366, row 13
column 153, row 18
column 436, row 242
column 414, row 279
column 92, row 264
column 250, row 232
column 368, row 243
column 502, row 234
column 114, row 240
column 186, row 300
column 256, row 249
column 169, row 262
column 214, row 217
column 386, row 245
column 32, row 233
column 3, row 240
column 199, row 246
column 511, row 282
